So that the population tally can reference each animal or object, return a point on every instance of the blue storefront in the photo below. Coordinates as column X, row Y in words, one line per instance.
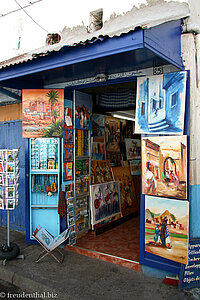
column 100, row 62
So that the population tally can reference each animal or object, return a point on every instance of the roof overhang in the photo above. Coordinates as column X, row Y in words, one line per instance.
column 138, row 49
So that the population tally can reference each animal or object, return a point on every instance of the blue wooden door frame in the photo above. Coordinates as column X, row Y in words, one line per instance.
column 146, row 258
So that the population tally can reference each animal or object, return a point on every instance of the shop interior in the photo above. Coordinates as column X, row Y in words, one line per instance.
column 113, row 141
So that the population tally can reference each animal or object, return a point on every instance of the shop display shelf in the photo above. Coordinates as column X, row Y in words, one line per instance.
column 82, row 195
column 43, row 206
column 46, row 171
column 82, row 157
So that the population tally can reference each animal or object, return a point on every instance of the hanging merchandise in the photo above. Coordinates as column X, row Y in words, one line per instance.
column 44, row 154
column 68, row 152
column 68, row 158
column 82, row 161
column 71, row 220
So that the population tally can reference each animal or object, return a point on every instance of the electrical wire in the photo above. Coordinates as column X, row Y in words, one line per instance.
column 15, row 10
column 30, row 16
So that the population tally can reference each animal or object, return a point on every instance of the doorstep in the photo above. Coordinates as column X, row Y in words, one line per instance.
column 134, row 265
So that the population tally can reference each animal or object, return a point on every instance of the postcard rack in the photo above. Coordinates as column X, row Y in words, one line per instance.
column 9, row 184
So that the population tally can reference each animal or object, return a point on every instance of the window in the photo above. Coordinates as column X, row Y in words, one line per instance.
column 143, row 109
column 174, row 99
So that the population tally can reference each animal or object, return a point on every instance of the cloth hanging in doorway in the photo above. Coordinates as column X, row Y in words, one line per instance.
column 62, row 209
column 119, row 98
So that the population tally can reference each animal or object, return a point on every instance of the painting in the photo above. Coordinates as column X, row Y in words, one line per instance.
column 160, row 104
column 105, row 201
column 98, row 139
column 68, row 171
column 164, row 166
column 83, row 111
column 129, row 202
column 42, row 113
column 101, row 171
column 68, row 152
column 135, row 166
column 167, row 228
column 68, row 114
column 112, row 138
column 133, row 148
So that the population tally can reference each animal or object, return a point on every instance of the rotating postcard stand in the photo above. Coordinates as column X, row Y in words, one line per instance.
column 9, row 178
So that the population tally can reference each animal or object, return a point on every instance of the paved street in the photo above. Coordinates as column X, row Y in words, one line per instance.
column 10, row 291
column 79, row 278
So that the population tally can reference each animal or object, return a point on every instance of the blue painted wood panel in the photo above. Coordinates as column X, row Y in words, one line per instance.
column 11, row 137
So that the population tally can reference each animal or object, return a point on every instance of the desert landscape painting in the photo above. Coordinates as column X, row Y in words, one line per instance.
column 164, row 166
column 167, row 228
column 42, row 113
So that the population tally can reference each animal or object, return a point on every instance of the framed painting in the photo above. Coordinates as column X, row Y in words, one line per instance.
column 129, row 201
column 167, row 228
column 160, row 104
column 105, row 201
column 42, row 113
column 101, row 171
column 133, row 148
column 164, row 166
column 112, row 134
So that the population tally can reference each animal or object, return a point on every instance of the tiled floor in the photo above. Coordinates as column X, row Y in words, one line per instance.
column 121, row 241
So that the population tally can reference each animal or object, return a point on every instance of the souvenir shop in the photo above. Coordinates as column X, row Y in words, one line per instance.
column 117, row 176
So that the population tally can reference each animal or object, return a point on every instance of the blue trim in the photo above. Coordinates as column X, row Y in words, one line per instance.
column 158, row 45
column 73, row 55
column 98, row 84
column 146, row 258
column 10, row 94
column 165, row 41
column 194, row 211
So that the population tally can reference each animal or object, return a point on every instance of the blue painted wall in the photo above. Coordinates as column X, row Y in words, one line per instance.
column 11, row 137
column 174, row 85
column 143, row 104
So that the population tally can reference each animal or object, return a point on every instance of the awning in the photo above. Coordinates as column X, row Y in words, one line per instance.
column 136, row 50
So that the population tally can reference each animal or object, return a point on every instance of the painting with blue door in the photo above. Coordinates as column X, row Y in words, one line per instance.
column 160, row 105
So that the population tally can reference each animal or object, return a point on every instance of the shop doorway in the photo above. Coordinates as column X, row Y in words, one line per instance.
column 117, row 237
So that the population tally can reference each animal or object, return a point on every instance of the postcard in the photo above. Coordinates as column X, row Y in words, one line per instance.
column 1, row 204
column 1, row 192
column 10, row 167
column 10, row 179
column 2, row 166
column 10, row 155
column 10, row 192
column 10, row 204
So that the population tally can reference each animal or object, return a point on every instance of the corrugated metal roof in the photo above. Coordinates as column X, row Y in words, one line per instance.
column 143, row 17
